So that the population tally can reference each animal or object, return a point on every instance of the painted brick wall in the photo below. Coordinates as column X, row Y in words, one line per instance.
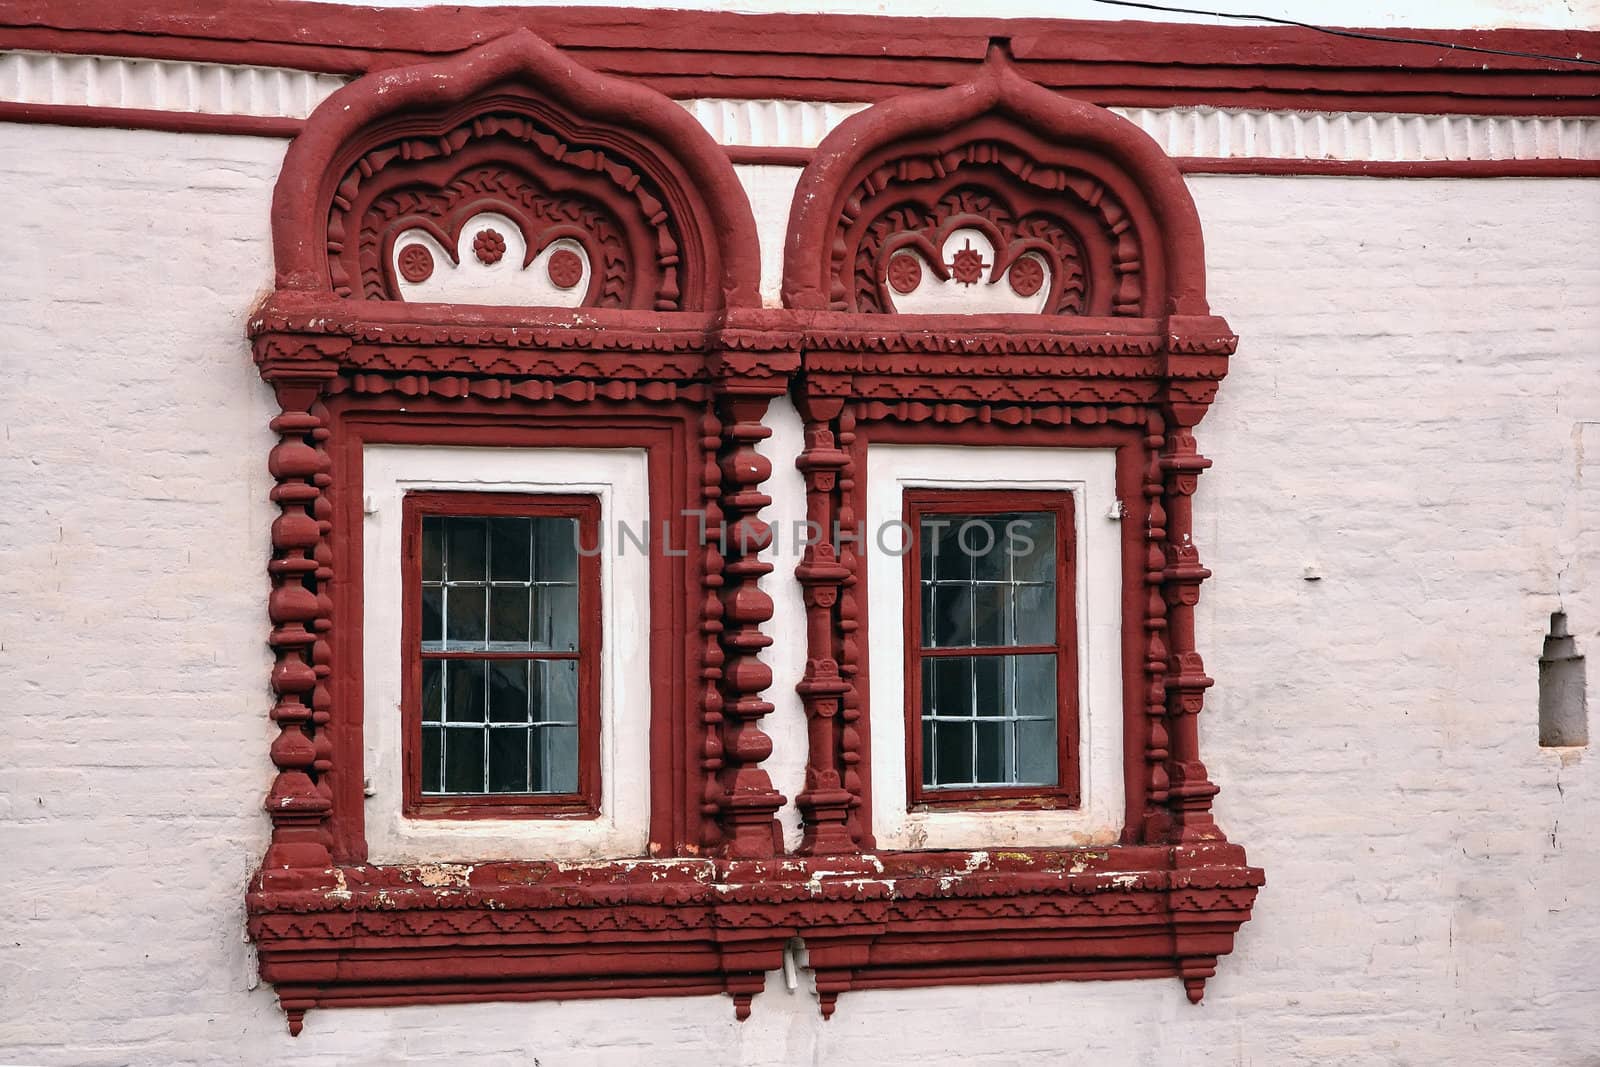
column 1414, row 412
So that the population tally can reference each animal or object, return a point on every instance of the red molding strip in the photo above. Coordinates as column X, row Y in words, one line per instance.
column 1397, row 168
column 125, row 118
column 252, row 126
column 855, row 57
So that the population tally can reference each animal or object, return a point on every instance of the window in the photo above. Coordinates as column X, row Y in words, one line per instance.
column 991, row 671
column 502, row 637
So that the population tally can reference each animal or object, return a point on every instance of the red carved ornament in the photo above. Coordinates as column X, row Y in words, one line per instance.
column 673, row 354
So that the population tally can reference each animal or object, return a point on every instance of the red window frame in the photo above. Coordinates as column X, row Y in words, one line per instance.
column 585, row 802
column 921, row 503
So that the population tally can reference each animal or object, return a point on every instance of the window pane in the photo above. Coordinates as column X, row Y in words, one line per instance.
column 1013, row 703
column 952, row 620
column 555, row 547
column 952, row 747
column 432, row 614
column 509, row 556
column 464, row 690
column 465, row 615
column 560, row 691
column 984, row 538
column 463, row 760
column 989, row 685
column 1036, row 752
column 941, row 542
column 1035, row 622
column 989, row 615
column 988, row 581
column 466, row 541
column 1031, row 540
column 432, row 690
column 432, row 740
column 950, row 691
column 991, row 751
column 555, row 617
column 509, row 616
column 508, row 691
column 433, row 548
column 1035, row 692
column 505, row 584
column 508, row 760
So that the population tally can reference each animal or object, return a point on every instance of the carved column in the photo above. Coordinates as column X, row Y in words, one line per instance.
column 1157, row 816
column 748, row 802
column 711, row 657
column 825, row 804
column 1191, row 791
column 851, row 749
column 301, row 611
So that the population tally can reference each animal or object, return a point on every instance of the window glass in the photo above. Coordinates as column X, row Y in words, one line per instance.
column 988, row 589
column 500, row 654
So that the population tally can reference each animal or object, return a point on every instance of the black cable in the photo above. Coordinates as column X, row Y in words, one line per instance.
column 1357, row 34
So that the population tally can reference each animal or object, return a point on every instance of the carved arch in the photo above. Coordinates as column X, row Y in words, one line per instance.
column 1077, row 208
column 609, row 192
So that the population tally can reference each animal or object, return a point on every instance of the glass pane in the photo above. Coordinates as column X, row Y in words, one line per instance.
column 1036, row 752
column 927, row 752
column 984, row 538
column 555, row 549
column 463, row 761
column 555, row 617
column 508, row 550
column 950, row 693
column 952, row 621
column 1035, row 623
column 508, row 760
column 560, row 759
column 1031, row 538
column 432, row 739
column 465, row 616
column 989, row 615
column 1035, row 692
column 433, row 548
column 952, row 746
column 432, row 690
column 508, row 691
column 509, row 616
column 432, row 614
column 466, row 541
column 464, row 690
column 940, row 539
column 989, row 684
column 991, row 751
column 560, row 691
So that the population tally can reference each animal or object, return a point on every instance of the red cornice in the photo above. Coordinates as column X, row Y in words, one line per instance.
column 857, row 57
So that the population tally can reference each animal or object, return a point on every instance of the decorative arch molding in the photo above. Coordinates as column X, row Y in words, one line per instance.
column 617, row 173
column 1086, row 193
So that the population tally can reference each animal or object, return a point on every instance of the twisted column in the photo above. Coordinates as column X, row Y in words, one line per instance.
column 1191, row 790
column 824, row 804
column 749, row 804
column 301, row 611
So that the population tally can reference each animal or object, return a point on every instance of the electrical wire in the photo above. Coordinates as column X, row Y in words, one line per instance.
column 1356, row 34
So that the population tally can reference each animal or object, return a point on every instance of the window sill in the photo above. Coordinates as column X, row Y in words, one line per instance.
column 432, row 933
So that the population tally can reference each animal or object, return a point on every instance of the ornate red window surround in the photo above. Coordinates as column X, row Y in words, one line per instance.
column 614, row 207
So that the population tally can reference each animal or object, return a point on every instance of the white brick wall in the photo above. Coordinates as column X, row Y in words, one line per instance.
column 1407, row 412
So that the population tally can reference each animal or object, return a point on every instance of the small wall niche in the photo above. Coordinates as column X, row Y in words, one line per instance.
column 1563, row 700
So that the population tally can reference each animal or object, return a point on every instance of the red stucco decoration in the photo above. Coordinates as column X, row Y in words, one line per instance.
column 673, row 354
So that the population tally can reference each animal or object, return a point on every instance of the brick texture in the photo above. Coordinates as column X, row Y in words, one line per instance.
column 1414, row 412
